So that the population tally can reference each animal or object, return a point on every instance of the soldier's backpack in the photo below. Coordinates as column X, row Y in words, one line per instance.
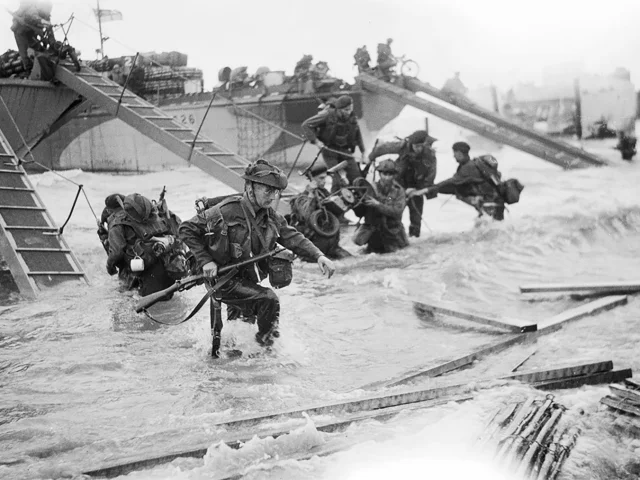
column 509, row 190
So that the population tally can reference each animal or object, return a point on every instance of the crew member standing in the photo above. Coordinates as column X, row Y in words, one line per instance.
column 336, row 128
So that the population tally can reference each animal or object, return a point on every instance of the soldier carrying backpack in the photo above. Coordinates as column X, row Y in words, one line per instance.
column 477, row 182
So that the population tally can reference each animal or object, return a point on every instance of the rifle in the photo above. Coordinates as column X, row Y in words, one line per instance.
column 365, row 170
column 193, row 280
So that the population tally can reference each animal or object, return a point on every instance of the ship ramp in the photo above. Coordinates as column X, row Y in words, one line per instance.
column 30, row 244
column 222, row 164
column 483, row 121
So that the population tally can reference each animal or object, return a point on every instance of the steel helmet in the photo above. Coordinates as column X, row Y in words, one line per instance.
column 388, row 166
column 138, row 207
column 263, row 172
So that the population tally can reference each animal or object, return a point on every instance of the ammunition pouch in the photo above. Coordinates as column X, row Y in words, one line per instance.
column 281, row 269
column 510, row 190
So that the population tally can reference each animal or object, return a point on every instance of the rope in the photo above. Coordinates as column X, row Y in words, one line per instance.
column 33, row 161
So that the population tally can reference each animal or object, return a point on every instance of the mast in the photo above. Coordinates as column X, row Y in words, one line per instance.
column 100, row 30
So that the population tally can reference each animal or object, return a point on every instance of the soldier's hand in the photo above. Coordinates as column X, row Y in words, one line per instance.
column 364, row 159
column 326, row 266
column 370, row 202
column 210, row 270
column 319, row 144
column 410, row 192
column 111, row 270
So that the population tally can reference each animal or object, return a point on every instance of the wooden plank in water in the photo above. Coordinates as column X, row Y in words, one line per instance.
column 535, row 376
column 595, row 379
column 456, row 363
column 513, row 325
column 599, row 287
column 632, row 396
column 126, row 466
column 621, row 405
column 633, row 384
column 591, row 308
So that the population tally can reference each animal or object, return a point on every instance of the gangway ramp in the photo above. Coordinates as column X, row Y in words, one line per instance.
column 488, row 124
column 36, row 254
column 224, row 165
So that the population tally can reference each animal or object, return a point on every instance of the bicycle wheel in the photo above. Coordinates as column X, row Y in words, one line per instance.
column 410, row 69
column 324, row 223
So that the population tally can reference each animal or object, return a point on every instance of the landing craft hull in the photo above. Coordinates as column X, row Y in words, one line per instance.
column 95, row 141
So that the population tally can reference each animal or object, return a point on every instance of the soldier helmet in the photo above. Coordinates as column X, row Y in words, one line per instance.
column 461, row 147
column 343, row 101
column 263, row 172
column 138, row 207
column 387, row 166
column 420, row 136
column 114, row 200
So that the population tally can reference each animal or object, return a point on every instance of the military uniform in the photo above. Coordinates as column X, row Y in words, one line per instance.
column 27, row 25
column 415, row 170
column 471, row 186
column 233, row 231
column 382, row 230
column 340, row 134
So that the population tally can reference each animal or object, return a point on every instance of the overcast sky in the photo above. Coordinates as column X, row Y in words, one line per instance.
column 488, row 41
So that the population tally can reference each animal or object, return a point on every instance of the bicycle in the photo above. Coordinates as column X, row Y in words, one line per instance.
column 408, row 67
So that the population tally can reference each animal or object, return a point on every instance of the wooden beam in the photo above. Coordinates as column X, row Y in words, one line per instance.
column 126, row 466
column 456, row 363
column 546, row 326
column 621, row 405
column 631, row 383
column 535, row 376
column 595, row 379
column 632, row 396
column 599, row 287
column 513, row 325
column 591, row 308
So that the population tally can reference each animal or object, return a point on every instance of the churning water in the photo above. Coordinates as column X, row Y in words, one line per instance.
column 85, row 381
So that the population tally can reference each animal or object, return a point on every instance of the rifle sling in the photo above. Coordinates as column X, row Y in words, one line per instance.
column 202, row 301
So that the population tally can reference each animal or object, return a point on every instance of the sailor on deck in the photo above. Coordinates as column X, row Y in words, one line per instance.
column 337, row 129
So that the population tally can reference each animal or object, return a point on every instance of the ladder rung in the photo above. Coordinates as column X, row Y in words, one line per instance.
column 174, row 129
column 220, row 154
column 198, row 141
column 18, row 189
column 237, row 167
column 15, row 207
column 126, row 95
column 155, row 117
column 11, row 171
column 28, row 227
column 6, row 155
column 63, row 250
column 105, row 85
column 79, row 274
column 133, row 105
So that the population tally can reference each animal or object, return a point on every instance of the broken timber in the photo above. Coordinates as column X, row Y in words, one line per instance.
column 622, row 405
column 600, row 287
column 631, row 396
column 596, row 378
column 513, row 325
column 129, row 465
column 549, row 325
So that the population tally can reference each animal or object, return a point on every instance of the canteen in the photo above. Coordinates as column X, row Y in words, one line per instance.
column 137, row 264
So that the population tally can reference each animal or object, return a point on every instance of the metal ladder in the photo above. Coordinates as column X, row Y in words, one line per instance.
column 36, row 255
column 149, row 120
column 490, row 125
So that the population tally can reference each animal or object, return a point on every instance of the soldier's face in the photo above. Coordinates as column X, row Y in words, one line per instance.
column 459, row 156
column 386, row 178
column 346, row 111
column 320, row 180
column 417, row 147
column 265, row 195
